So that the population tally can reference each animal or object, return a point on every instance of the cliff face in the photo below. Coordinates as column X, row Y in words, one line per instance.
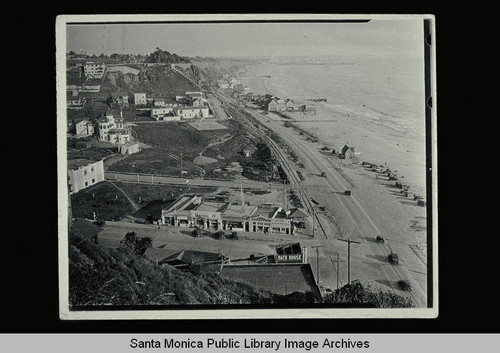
column 156, row 80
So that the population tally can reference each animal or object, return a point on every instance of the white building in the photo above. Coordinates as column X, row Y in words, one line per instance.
column 157, row 113
column 94, row 69
column 165, row 114
column 83, row 173
column 84, row 128
column 140, row 99
column 159, row 102
column 129, row 148
column 198, row 111
column 111, row 129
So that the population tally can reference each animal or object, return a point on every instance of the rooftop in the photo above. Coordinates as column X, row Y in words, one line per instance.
column 80, row 162
column 239, row 211
column 159, row 254
column 267, row 210
column 212, row 206
column 188, row 255
column 192, row 107
column 279, row 279
column 184, row 203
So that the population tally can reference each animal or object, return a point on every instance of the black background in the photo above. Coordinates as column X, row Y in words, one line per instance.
column 466, row 269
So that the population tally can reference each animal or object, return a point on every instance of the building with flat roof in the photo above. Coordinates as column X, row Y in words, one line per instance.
column 94, row 69
column 158, row 113
column 129, row 148
column 192, row 211
column 140, row 99
column 277, row 278
column 83, row 173
column 191, row 112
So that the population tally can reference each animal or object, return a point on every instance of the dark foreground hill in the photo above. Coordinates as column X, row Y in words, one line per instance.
column 100, row 276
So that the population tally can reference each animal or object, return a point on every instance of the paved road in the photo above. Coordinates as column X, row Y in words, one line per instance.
column 369, row 257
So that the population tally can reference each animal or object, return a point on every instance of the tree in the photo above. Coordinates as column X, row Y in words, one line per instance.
column 356, row 293
column 142, row 244
column 132, row 244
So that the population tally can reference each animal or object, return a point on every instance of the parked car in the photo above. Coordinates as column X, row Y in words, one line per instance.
column 393, row 258
column 220, row 234
column 405, row 285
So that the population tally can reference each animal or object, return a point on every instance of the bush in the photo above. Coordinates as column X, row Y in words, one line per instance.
column 356, row 293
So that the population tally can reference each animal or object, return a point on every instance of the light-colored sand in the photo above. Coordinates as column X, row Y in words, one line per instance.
column 377, row 136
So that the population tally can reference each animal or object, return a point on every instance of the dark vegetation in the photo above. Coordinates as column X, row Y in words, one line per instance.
column 109, row 203
column 101, row 276
column 157, row 80
column 356, row 293
column 163, row 56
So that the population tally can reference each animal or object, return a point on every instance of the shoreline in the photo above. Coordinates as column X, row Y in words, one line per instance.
column 378, row 141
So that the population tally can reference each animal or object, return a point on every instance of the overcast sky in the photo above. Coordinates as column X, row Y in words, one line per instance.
column 379, row 37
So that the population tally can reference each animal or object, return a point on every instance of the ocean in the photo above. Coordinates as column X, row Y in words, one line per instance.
column 375, row 103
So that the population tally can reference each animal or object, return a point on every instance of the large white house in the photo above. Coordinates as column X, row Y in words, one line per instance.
column 111, row 129
column 197, row 111
column 83, row 173
column 94, row 69
column 160, row 113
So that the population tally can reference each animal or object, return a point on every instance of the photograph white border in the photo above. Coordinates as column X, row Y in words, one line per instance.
column 317, row 313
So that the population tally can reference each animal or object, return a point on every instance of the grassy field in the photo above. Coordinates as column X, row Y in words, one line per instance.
column 108, row 201
column 167, row 142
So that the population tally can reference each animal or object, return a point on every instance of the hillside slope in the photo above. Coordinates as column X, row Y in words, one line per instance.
column 156, row 80
column 102, row 276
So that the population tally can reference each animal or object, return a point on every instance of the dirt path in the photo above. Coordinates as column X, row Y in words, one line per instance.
column 216, row 143
column 134, row 205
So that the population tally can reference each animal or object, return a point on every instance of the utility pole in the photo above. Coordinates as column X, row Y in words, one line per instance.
column 349, row 241
column 284, row 195
column 181, row 165
column 337, row 265
column 317, row 260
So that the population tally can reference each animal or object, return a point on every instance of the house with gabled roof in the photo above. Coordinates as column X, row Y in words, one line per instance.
column 275, row 105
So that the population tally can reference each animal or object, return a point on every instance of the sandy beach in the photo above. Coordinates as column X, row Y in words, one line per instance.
column 376, row 128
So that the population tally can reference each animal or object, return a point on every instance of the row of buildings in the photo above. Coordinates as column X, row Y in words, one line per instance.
column 285, row 270
column 192, row 211
column 107, row 127
column 189, row 106
column 83, row 173
column 275, row 104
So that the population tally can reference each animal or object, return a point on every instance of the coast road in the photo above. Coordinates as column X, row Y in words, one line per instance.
column 368, row 212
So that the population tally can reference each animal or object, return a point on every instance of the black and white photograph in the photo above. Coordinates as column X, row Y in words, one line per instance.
column 246, row 166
